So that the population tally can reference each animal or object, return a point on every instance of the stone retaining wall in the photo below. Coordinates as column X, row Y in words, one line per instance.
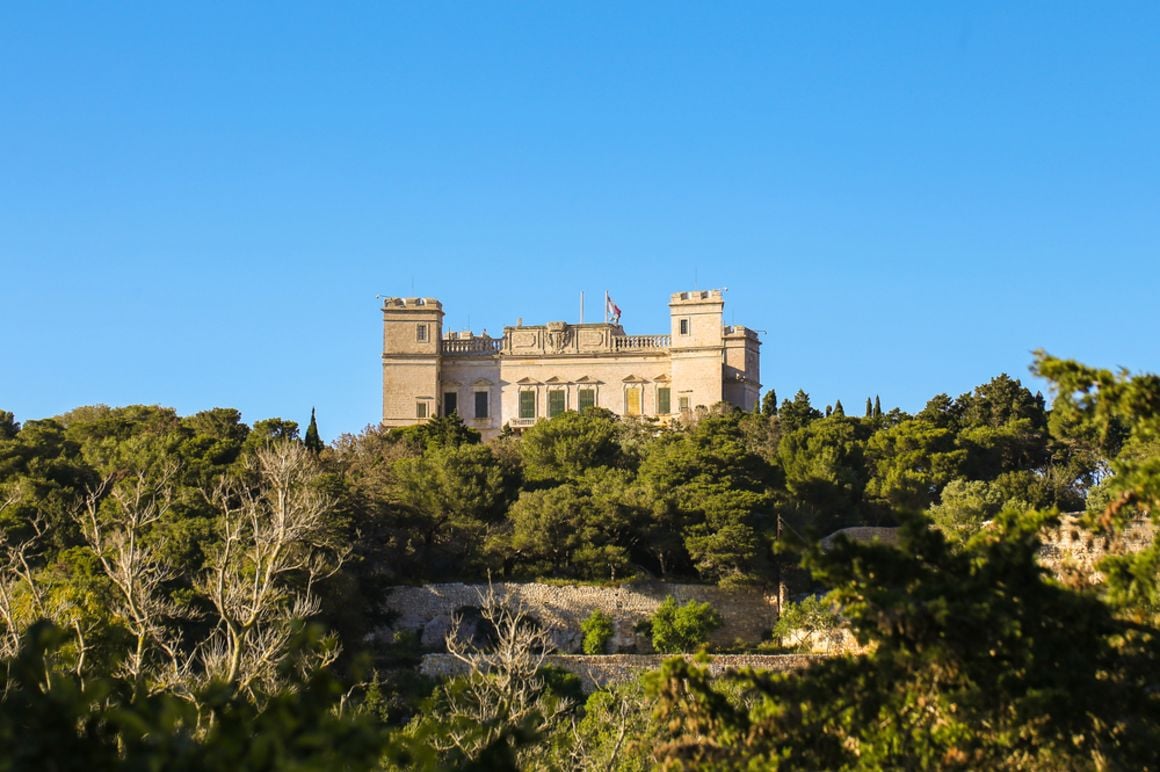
column 1072, row 552
column 596, row 672
column 428, row 610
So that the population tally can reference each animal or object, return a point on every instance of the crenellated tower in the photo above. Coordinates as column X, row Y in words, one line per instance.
column 412, row 330
column 696, row 348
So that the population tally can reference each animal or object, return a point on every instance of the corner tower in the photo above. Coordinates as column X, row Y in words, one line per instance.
column 696, row 348
column 412, row 330
column 742, row 367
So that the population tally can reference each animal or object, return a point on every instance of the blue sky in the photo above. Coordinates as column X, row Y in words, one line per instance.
column 199, row 202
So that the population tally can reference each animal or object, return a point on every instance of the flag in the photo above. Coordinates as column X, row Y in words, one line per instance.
column 611, row 310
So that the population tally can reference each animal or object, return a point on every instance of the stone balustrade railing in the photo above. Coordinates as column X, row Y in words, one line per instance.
column 633, row 342
column 480, row 346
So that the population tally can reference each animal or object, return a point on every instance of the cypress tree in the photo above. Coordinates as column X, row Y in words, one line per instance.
column 769, row 403
column 869, row 408
column 877, row 407
column 829, row 410
column 838, row 409
column 312, row 442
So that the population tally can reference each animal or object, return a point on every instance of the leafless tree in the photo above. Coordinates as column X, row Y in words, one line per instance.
column 277, row 541
column 21, row 599
column 503, row 688
column 117, row 520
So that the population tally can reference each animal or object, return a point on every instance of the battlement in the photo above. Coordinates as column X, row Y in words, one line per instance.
column 738, row 331
column 696, row 296
column 415, row 303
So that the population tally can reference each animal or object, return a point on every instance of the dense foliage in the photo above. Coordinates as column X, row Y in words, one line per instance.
column 192, row 591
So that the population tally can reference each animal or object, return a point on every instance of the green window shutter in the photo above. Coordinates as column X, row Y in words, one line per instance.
column 556, row 402
column 527, row 404
column 450, row 402
column 663, row 401
column 481, row 404
column 586, row 398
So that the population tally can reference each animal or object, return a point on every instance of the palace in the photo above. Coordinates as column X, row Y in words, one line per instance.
column 539, row 371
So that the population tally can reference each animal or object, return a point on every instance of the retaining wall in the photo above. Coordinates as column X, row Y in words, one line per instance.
column 595, row 672
column 748, row 615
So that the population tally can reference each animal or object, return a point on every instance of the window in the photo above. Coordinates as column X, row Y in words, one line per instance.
column 632, row 400
column 684, row 326
column 664, row 401
column 420, row 409
column 421, row 333
column 450, row 402
column 684, row 403
column 557, row 402
column 481, row 404
column 527, row 404
column 585, row 398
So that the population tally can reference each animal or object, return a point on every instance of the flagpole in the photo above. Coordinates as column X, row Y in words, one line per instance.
column 606, row 306
column 581, row 306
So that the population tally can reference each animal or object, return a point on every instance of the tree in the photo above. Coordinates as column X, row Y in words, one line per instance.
column 769, row 404
column 869, row 408
column 570, row 444
column 974, row 660
column 679, row 628
column 52, row 718
column 597, row 631
column 120, row 521
column 617, row 731
column 963, row 508
column 456, row 494
column 910, row 463
column 1003, row 429
column 484, row 716
column 797, row 414
column 269, row 431
column 8, row 425
column 838, row 409
column 811, row 624
column 877, row 407
column 313, row 442
column 1104, row 404
column 705, row 485
column 441, row 431
column 277, row 541
column 825, row 471
column 580, row 529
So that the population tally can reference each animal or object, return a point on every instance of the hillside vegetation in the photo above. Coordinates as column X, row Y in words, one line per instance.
column 194, row 591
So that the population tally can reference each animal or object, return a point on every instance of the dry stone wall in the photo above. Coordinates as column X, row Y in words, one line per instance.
column 1072, row 552
column 428, row 610
column 596, row 672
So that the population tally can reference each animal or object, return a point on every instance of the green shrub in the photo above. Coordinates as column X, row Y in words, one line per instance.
column 597, row 629
column 812, row 623
column 677, row 629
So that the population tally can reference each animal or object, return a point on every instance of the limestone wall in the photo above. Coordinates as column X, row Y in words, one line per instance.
column 427, row 610
column 1072, row 552
column 595, row 672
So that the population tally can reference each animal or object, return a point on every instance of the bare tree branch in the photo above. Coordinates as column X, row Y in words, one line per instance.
column 277, row 542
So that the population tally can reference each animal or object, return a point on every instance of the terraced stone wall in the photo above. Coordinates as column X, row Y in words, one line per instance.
column 428, row 610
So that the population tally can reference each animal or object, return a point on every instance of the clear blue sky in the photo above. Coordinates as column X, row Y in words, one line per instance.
column 200, row 201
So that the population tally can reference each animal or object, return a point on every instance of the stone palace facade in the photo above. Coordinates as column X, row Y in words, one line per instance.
column 538, row 371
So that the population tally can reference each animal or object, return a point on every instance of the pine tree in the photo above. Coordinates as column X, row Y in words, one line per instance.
column 312, row 442
column 838, row 409
column 877, row 407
